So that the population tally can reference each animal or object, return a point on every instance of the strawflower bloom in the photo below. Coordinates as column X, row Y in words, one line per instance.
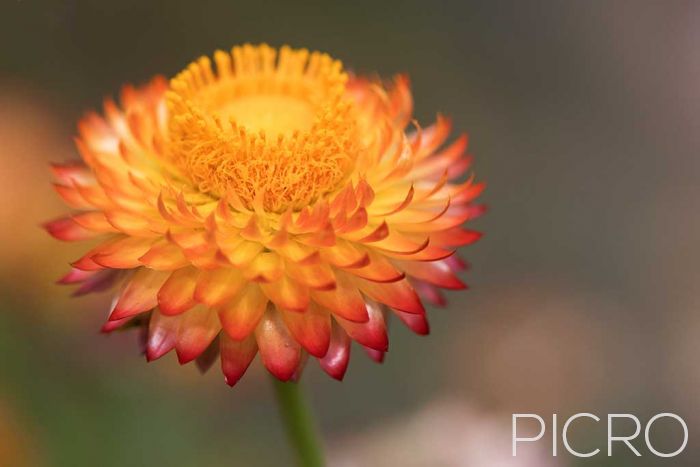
column 270, row 203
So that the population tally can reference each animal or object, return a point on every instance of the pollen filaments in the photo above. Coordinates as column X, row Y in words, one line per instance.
column 273, row 128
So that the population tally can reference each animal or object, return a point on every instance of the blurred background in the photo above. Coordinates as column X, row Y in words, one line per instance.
column 584, row 119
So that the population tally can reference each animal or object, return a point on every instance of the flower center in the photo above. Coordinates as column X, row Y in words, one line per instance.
column 278, row 114
column 275, row 129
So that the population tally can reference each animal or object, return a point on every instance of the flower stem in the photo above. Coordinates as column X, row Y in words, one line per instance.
column 299, row 424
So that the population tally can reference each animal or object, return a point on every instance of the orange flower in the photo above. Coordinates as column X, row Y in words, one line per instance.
column 275, row 205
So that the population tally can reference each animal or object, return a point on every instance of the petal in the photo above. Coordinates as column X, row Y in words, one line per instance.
column 415, row 322
column 315, row 276
column 399, row 295
column 75, row 276
column 372, row 333
column 287, row 294
column 433, row 272
column 379, row 269
column 344, row 255
column 344, row 301
column 198, row 327
column 98, row 282
column 312, row 328
column 266, row 267
column 240, row 316
column 177, row 293
column 139, row 294
column 162, row 335
column 429, row 292
column 280, row 353
column 218, row 286
column 374, row 354
column 123, row 253
column 164, row 256
column 67, row 230
column 455, row 236
column 236, row 357
column 335, row 362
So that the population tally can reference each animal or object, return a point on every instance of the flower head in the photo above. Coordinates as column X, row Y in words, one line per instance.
column 266, row 203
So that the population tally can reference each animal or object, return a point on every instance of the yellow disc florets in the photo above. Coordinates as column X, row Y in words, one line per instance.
column 273, row 128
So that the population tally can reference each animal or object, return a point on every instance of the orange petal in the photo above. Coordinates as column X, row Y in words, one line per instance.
column 198, row 327
column 316, row 276
column 344, row 301
column 94, row 220
column 433, row 272
column 122, row 253
column 454, row 237
column 379, row 269
column 399, row 295
column 217, row 286
column 266, row 267
column 164, row 256
column 139, row 294
column 240, row 253
column 240, row 316
column 177, row 294
column 280, row 353
column 287, row 294
column 67, row 230
column 345, row 255
column 312, row 328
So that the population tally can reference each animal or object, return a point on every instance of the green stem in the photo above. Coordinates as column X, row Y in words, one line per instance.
column 298, row 424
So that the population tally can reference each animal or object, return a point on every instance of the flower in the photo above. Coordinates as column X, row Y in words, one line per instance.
column 275, row 205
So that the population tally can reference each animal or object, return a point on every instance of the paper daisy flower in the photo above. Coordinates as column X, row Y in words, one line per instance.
column 268, row 202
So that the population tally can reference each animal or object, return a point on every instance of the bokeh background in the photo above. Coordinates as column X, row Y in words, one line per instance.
column 584, row 118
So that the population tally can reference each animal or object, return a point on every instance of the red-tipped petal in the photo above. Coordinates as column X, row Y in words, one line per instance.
column 344, row 301
column 198, row 327
column 280, row 353
column 372, row 333
column 415, row 322
column 312, row 328
column 139, row 294
column 240, row 316
column 399, row 295
column 113, row 325
column 177, row 294
column 374, row 354
column 164, row 256
column 236, row 357
column 379, row 269
column 98, row 282
column 162, row 335
column 335, row 362
column 429, row 293
column 75, row 276
column 436, row 272
column 68, row 230
column 123, row 253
